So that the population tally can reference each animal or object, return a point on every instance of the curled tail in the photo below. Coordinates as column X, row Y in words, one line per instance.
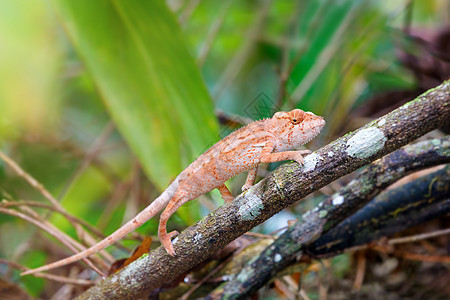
column 157, row 205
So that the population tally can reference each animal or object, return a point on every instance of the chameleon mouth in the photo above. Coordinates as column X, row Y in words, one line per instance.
column 315, row 130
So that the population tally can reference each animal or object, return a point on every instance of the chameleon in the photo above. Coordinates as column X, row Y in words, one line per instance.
column 264, row 141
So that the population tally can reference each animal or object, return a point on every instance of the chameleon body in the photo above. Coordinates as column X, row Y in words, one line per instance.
column 263, row 141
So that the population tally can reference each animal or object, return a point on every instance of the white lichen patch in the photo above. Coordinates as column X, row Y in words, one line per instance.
column 311, row 161
column 330, row 154
column 277, row 257
column 381, row 122
column 436, row 142
column 306, row 214
column 243, row 276
column 366, row 143
column 197, row 237
column 251, row 208
column 337, row 199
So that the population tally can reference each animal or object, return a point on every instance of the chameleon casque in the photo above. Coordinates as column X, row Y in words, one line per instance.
column 264, row 141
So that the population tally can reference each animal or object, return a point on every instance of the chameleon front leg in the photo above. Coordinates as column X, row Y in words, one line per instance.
column 250, row 178
column 267, row 156
column 225, row 193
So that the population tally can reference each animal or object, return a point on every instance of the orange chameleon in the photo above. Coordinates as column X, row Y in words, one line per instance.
column 262, row 141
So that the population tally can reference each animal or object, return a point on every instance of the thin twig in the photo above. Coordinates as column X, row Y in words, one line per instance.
column 28, row 178
column 53, row 277
column 66, row 290
column 284, row 289
column 40, row 188
column 426, row 257
column 50, row 230
column 418, row 237
column 304, row 294
column 360, row 271
column 6, row 204
column 406, row 239
column 417, row 256
column 68, row 239
column 58, row 234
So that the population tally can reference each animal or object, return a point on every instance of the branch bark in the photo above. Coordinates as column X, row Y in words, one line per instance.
column 393, row 211
column 283, row 187
column 314, row 225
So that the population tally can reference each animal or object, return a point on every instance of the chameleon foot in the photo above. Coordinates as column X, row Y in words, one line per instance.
column 165, row 241
column 246, row 187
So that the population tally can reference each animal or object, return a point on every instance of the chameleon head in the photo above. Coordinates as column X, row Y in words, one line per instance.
column 297, row 127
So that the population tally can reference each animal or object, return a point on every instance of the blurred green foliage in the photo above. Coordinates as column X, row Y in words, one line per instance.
column 157, row 70
column 31, row 61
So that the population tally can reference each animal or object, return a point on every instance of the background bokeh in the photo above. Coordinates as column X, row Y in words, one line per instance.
column 105, row 102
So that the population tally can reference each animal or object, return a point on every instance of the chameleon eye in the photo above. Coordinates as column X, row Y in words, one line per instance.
column 296, row 116
column 296, row 121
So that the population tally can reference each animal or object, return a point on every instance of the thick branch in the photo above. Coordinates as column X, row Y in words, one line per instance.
column 393, row 211
column 283, row 187
column 380, row 174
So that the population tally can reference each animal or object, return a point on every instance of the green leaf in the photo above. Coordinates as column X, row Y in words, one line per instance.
column 136, row 55
column 325, row 38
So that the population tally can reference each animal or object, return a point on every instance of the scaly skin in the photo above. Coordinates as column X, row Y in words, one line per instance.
column 264, row 141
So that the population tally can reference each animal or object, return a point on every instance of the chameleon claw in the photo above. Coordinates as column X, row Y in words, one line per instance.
column 167, row 243
column 299, row 160
column 169, row 249
column 246, row 187
column 299, row 157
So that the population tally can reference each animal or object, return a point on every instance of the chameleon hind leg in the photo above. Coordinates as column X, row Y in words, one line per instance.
column 172, row 206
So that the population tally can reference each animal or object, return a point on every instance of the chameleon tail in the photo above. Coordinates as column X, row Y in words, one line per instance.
column 157, row 205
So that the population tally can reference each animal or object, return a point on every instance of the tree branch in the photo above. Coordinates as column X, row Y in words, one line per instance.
column 393, row 211
column 283, row 187
column 314, row 224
